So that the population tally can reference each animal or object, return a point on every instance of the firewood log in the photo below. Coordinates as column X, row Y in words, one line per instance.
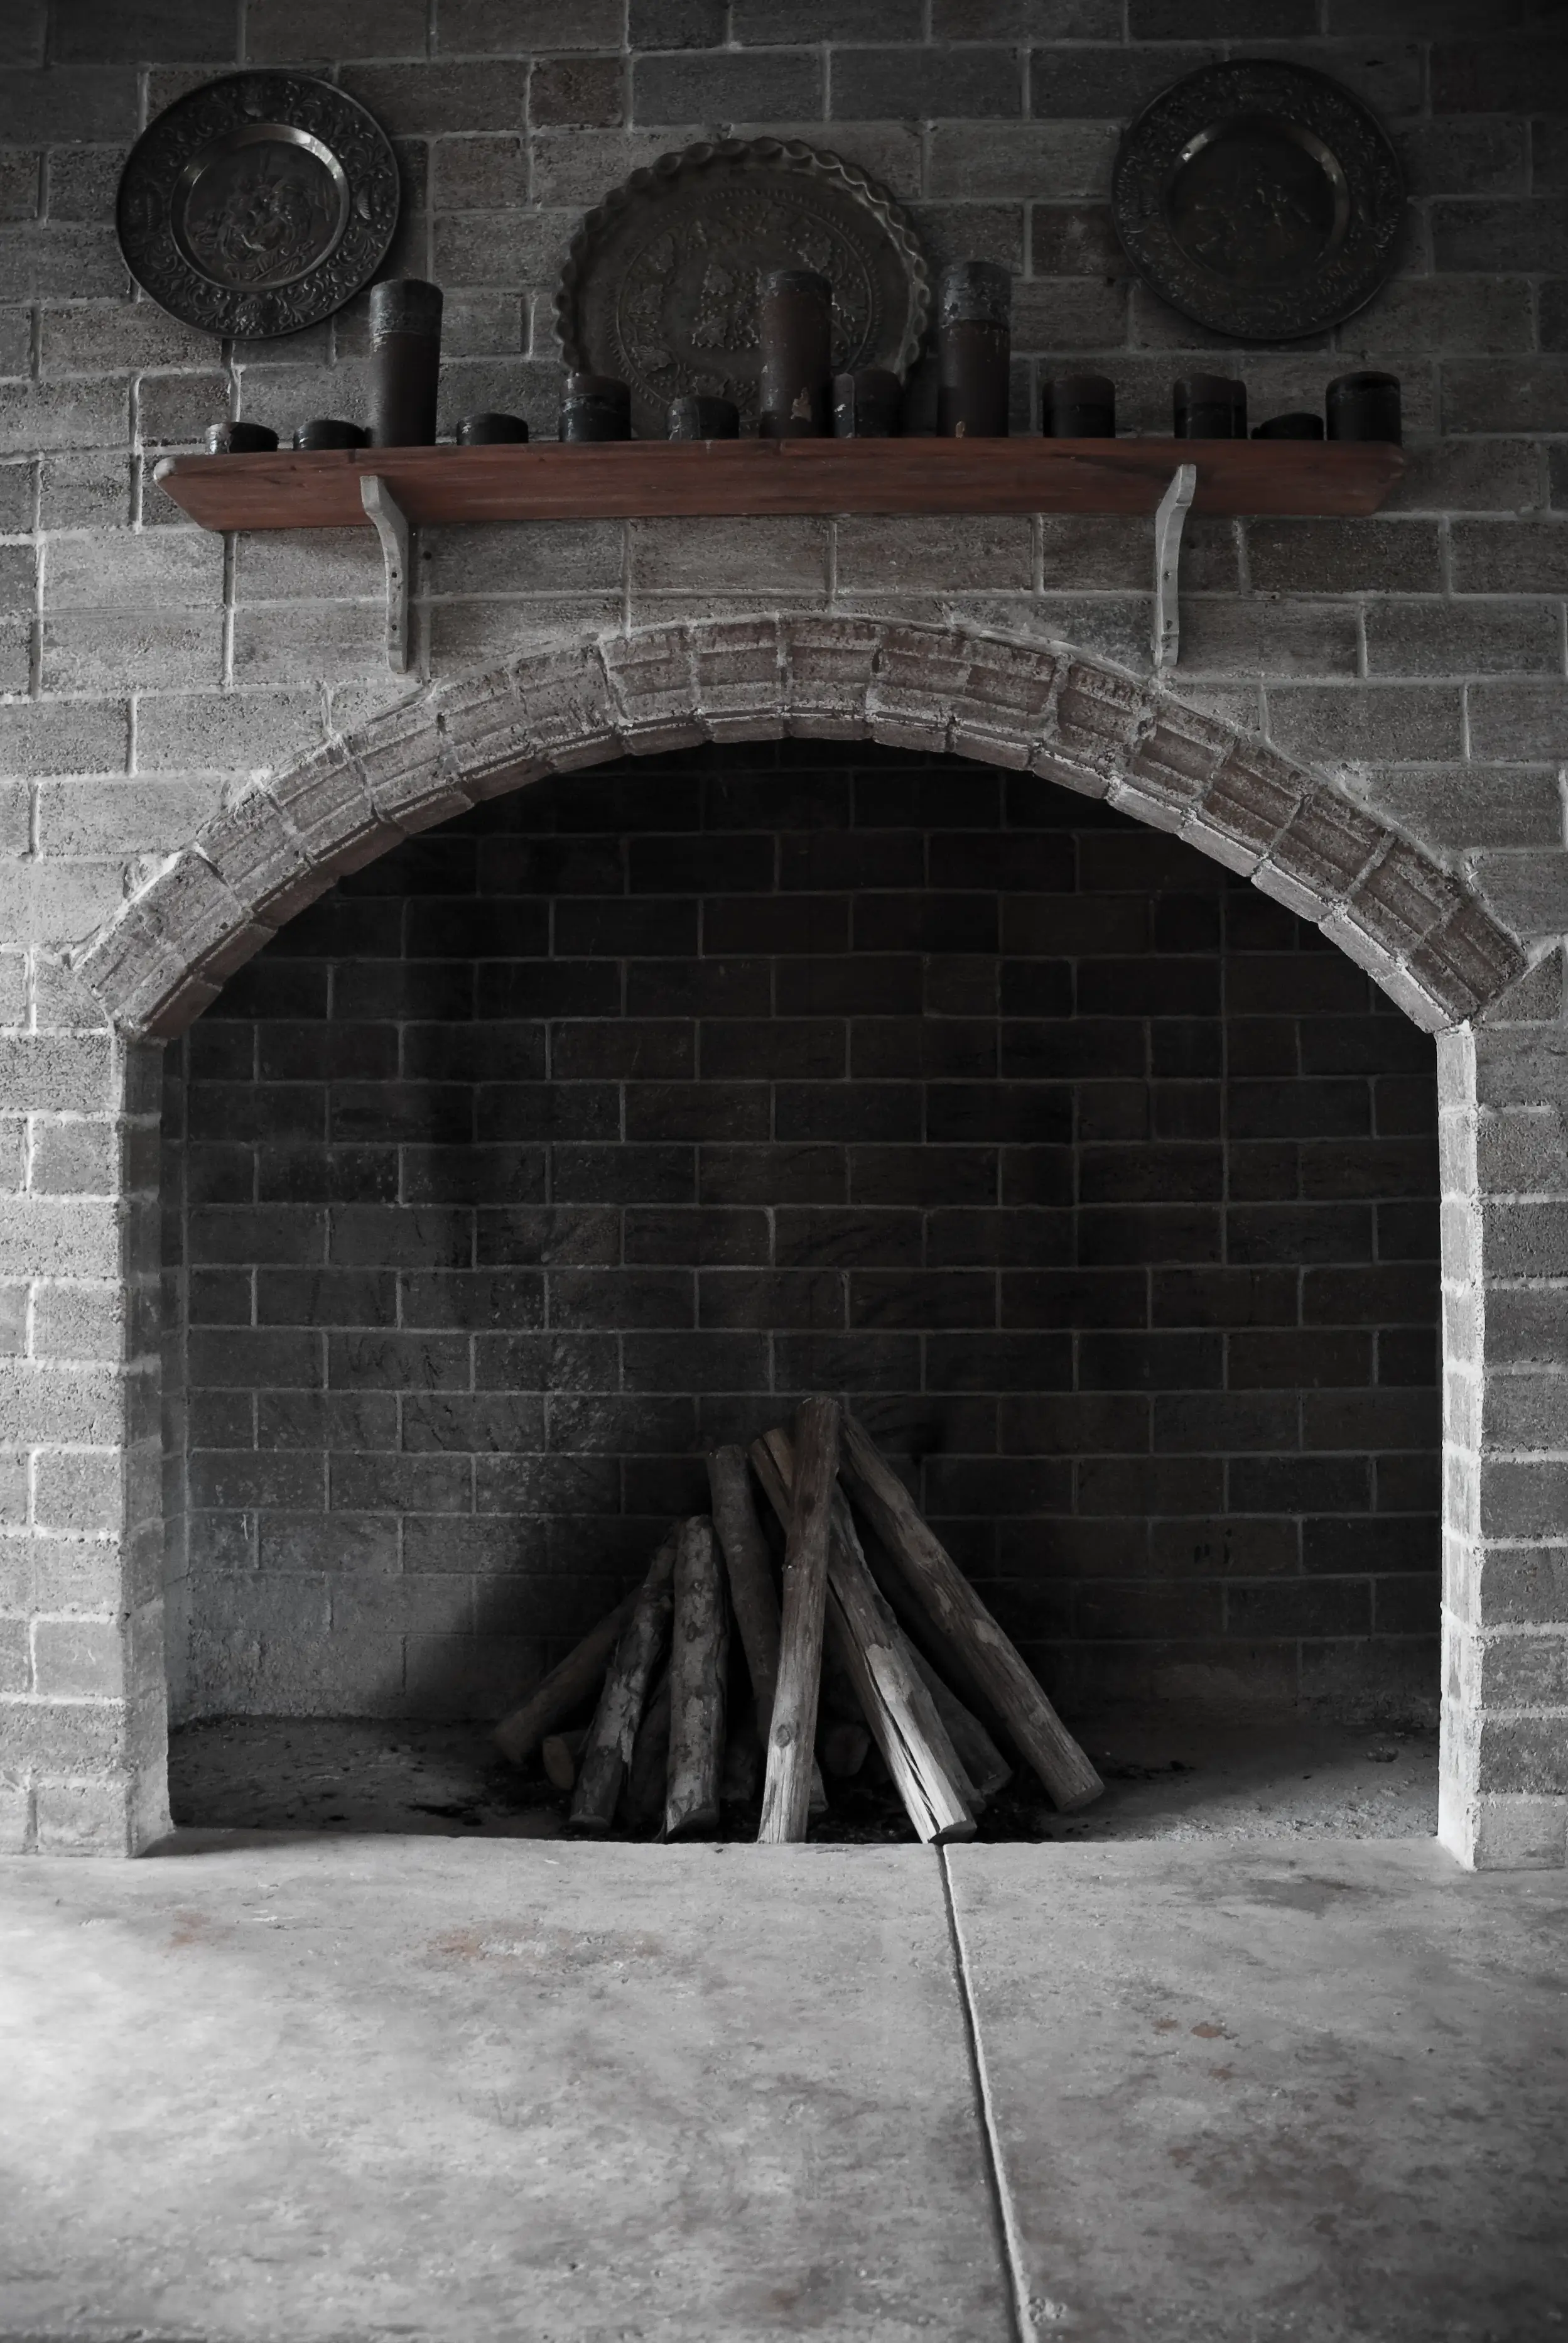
column 699, row 1653
column 899, row 1711
column 986, row 1769
column 558, row 1754
column 963, row 1623
column 642, row 1800
column 989, row 1768
column 750, row 1569
column 792, row 1734
column 565, row 1688
column 607, row 1752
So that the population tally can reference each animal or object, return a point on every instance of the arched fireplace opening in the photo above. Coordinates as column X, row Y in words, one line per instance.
column 95, row 1737
column 600, row 1124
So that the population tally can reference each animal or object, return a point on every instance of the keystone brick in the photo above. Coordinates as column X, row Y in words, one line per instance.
column 739, row 673
column 827, row 672
column 651, row 681
column 916, row 675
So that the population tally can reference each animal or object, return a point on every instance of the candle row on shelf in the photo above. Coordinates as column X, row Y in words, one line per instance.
column 800, row 396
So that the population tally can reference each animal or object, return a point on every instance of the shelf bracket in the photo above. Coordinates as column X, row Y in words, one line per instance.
column 1169, row 519
column 391, row 524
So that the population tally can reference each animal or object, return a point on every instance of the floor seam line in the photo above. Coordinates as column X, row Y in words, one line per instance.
column 1003, row 2211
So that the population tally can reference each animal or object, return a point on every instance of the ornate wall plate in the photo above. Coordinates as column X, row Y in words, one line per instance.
column 259, row 203
column 660, row 285
column 1261, row 199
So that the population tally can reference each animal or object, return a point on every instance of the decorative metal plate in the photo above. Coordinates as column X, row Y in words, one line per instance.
column 259, row 203
column 660, row 285
column 1261, row 199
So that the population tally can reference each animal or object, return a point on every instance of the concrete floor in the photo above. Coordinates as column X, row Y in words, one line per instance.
column 1170, row 1772
column 336, row 2088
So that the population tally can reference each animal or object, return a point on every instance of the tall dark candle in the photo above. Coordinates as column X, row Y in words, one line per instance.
column 795, row 322
column 974, row 345
column 405, row 362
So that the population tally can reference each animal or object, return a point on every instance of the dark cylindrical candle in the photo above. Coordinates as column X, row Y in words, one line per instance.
column 1078, row 407
column 1364, row 407
column 489, row 430
column 330, row 431
column 1211, row 406
column 867, row 404
column 405, row 362
column 1290, row 427
column 795, row 325
column 701, row 417
column 240, row 439
column 595, row 406
column 974, row 345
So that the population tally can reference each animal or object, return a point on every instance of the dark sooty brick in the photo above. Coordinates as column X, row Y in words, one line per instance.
column 552, row 1149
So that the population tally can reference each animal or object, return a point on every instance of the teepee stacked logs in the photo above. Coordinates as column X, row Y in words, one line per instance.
column 879, row 1638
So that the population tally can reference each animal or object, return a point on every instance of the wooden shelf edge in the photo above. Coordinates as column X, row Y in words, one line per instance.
column 642, row 479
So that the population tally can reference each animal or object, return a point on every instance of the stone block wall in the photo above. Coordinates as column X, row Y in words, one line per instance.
column 599, row 1126
column 149, row 674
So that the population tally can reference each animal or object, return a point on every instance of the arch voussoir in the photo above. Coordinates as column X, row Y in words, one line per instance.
column 933, row 689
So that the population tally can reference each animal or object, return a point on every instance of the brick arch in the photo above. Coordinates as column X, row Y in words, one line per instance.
column 1415, row 929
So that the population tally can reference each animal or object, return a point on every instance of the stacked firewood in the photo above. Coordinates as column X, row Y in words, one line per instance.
column 879, row 1639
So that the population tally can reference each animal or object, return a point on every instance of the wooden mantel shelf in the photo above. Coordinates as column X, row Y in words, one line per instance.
column 651, row 479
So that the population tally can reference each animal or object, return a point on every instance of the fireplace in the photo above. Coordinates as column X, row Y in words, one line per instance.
column 1048, row 1442
column 591, row 1127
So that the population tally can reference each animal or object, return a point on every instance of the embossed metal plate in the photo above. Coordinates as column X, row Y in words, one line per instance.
column 660, row 286
column 259, row 203
column 1260, row 199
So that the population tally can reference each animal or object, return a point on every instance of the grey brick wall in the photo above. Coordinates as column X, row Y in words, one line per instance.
column 148, row 673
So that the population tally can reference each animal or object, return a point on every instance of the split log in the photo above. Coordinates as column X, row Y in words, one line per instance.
column 963, row 1624
column 750, row 1568
column 901, row 1712
column 642, row 1806
column 778, row 1496
column 699, row 1653
column 792, row 1732
column 987, row 1769
column 612, row 1735
column 558, row 1754
column 565, row 1688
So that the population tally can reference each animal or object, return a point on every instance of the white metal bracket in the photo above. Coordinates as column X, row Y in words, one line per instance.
column 391, row 524
column 1173, row 508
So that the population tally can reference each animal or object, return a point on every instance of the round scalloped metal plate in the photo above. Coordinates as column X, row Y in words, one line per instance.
column 259, row 203
column 660, row 285
column 1261, row 199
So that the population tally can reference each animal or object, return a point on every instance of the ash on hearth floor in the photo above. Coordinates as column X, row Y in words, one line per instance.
column 1168, row 1775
